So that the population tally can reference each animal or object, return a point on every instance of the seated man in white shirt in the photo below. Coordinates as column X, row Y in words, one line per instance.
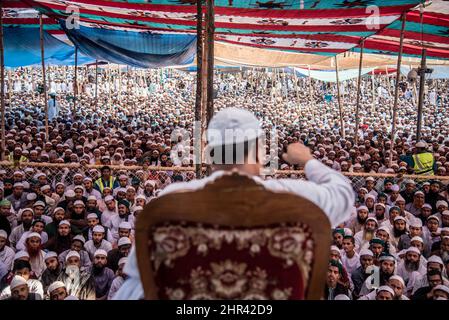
column 97, row 242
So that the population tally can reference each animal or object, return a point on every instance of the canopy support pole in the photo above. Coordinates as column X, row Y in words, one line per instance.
column 311, row 100
column 2, row 83
column 342, row 129
column 373, row 92
column 75, row 83
column 199, row 84
column 396, row 90
column 357, row 106
column 422, row 81
column 210, row 35
column 96, row 84
column 44, row 79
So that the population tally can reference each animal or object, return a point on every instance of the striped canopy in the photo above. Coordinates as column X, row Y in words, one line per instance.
column 325, row 27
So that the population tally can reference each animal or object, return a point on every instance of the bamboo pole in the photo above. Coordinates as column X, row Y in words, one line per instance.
column 342, row 129
column 357, row 106
column 2, row 83
column 396, row 90
column 199, row 68
column 210, row 34
column 41, row 32
column 422, row 81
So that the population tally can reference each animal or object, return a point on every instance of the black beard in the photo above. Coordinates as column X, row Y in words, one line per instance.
column 398, row 233
column 384, row 277
column 381, row 217
column 26, row 225
column 411, row 265
column 96, row 270
column 360, row 220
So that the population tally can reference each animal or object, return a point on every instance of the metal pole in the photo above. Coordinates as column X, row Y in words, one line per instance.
column 75, row 83
column 44, row 79
column 422, row 81
column 311, row 100
column 199, row 68
column 342, row 129
column 373, row 92
column 359, row 81
column 2, row 83
column 96, row 84
column 210, row 26
column 396, row 90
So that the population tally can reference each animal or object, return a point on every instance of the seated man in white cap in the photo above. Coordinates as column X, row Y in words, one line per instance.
column 37, row 226
column 23, row 269
column 77, row 245
column 57, row 291
column 411, row 264
column 52, row 271
column 79, row 283
column 122, row 250
column 110, row 211
column 396, row 283
column 102, row 275
column 384, row 293
column 363, row 237
column 92, row 221
column 89, row 190
column 386, row 270
column 6, row 252
column 20, row 290
column 359, row 275
column 119, row 279
column 434, row 278
column 97, row 242
column 18, row 198
column 325, row 187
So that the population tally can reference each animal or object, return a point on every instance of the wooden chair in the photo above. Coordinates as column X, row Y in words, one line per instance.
column 174, row 231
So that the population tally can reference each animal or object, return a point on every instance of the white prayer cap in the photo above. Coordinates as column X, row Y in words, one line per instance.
column 341, row 297
column 50, row 254
column 417, row 238
column 395, row 188
column 92, row 216
column 125, row 225
column 410, row 181
column 100, row 252
column 433, row 217
column 137, row 208
column 426, row 205
column 66, row 222
column 141, row 196
column 414, row 249
column 87, row 179
column 79, row 238
column 123, row 241
column 108, row 198
column 421, row 144
column 232, row 125
column 70, row 193
column 419, row 192
column 398, row 278
column 435, row 259
column 441, row 203
column 71, row 298
column 91, row 198
column 55, row 285
column 379, row 204
column 123, row 260
column 34, row 234
column 123, row 176
column 17, row 281
column 441, row 288
column 385, row 288
column 362, row 208
column 384, row 228
column 370, row 179
column 3, row 234
column 150, row 182
column 416, row 223
column 400, row 218
column 78, row 203
column 46, row 187
column 21, row 254
column 348, row 232
column 72, row 254
column 445, row 213
column 372, row 219
column 18, row 185
column 98, row 228
column 31, row 196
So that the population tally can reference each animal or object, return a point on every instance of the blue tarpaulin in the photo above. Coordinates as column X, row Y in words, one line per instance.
column 22, row 48
column 137, row 49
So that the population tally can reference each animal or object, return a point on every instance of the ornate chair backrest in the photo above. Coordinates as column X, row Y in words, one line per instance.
column 233, row 239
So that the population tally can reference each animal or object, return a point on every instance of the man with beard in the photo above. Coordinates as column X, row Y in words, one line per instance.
column 333, row 286
column 434, row 194
column 431, row 231
column 415, row 206
column 122, row 215
column 377, row 247
column 148, row 190
column 409, row 191
column 370, row 186
column 8, row 219
column 394, row 195
column 102, row 275
column 411, row 264
column 78, row 216
column 52, row 228
column 392, row 214
column 124, row 246
column 92, row 207
column 434, row 279
column 111, row 210
column 386, row 270
column 384, row 293
column 20, row 290
column 18, row 198
column 57, row 291
column 396, row 283
column 89, row 190
column 362, row 238
column 6, row 253
column 79, row 283
column 77, row 246
column 23, row 269
column 359, row 275
column 52, row 271
column 399, row 229
column 97, row 242
column 357, row 223
column 63, row 239
column 415, row 230
column 33, row 247
column 379, row 211
column 445, row 219
column 27, row 218
column 119, row 279
column 92, row 221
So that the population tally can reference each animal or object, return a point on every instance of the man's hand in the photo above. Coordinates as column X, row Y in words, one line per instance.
column 297, row 154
